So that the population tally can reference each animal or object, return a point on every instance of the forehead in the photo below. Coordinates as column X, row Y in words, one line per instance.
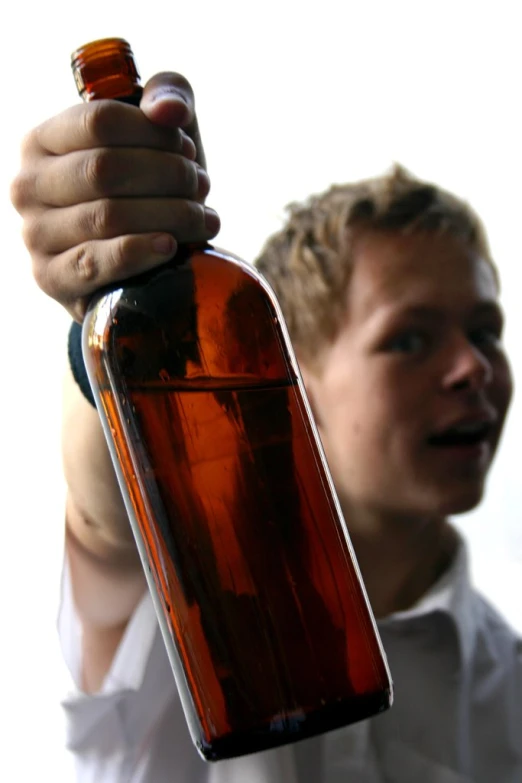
column 396, row 270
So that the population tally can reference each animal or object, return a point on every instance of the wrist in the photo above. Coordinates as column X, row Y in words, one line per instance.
column 74, row 348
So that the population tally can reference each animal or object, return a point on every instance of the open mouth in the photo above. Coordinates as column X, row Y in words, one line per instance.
column 463, row 435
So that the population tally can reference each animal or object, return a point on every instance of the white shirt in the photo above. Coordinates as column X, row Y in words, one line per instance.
column 457, row 716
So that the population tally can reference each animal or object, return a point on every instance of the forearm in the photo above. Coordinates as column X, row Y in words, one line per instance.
column 99, row 520
column 105, row 598
column 106, row 574
column 62, row 194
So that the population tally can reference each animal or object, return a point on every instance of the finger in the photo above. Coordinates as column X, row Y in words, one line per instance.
column 56, row 230
column 104, row 124
column 80, row 270
column 107, row 172
column 168, row 100
column 74, row 276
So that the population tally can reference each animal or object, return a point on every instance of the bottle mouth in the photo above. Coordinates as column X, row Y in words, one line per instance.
column 102, row 48
column 105, row 69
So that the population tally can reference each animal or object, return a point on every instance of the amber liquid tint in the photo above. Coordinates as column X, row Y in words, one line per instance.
column 106, row 69
column 259, row 599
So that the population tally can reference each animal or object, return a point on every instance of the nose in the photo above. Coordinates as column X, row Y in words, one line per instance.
column 469, row 368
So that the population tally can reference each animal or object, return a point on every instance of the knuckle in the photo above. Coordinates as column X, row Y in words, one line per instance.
column 100, row 219
column 33, row 234
column 85, row 265
column 95, row 264
column 22, row 191
column 98, row 171
column 97, row 121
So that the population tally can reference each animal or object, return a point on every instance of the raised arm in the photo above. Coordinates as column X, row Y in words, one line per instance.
column 106, row 191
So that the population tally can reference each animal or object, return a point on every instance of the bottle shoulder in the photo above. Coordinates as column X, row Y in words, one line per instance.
column 199, row 267
column 205, row 314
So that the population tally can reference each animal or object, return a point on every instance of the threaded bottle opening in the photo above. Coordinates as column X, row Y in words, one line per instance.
column 105, row 69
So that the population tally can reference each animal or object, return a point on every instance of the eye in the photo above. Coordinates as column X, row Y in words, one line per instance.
column 411, row 343
column 486, row 336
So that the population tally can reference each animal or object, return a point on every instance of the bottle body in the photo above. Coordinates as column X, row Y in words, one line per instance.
column 258, row 595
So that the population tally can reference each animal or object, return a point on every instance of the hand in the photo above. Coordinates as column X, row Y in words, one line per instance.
column 108, row 190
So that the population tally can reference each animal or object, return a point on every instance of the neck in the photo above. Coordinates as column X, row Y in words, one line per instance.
column 400, row 558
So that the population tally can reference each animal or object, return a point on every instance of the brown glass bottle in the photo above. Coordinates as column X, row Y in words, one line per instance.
column 258, row 595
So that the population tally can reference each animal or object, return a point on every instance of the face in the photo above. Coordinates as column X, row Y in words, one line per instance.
column 411, row 396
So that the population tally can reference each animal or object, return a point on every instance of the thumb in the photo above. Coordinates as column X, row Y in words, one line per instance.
column 168, row 99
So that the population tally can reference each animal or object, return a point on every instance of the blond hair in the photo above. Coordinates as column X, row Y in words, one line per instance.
column 309, row 261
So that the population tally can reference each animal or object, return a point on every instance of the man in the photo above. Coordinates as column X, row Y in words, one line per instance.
column 391, row 299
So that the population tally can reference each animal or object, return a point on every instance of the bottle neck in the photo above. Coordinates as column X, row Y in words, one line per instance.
column 106, row 69
column 133, row 99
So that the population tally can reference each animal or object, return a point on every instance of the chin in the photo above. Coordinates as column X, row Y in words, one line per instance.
column 461, row 503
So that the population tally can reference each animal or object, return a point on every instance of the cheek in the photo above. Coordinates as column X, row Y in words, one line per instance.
column 502, row 390
column 339, row 426
column 364, row 418
column 355, row 429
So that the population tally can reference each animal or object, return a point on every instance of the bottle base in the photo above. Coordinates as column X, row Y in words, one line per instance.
column 295, row 728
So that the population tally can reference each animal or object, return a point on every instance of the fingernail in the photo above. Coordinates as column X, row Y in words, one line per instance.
column 169, row 96
column 203, row 182
column 167, row 92
column 163, row 244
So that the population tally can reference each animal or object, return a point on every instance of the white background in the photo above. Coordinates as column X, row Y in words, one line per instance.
column 292, row 96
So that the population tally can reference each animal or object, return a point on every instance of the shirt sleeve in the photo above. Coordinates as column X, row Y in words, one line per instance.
column 135, row 693
column 133, row 729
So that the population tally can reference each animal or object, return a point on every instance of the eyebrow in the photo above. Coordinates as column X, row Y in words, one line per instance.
column 420, row 311
column 438, row 313
column 489, row 308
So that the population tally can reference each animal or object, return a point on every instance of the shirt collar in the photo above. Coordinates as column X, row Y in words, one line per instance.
column 453, row 595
